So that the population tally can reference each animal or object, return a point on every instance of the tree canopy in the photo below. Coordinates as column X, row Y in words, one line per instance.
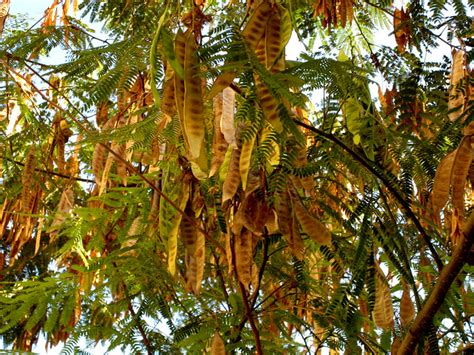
column 176, row 184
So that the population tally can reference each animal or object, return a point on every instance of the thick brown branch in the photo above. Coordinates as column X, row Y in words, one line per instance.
column 438, row 294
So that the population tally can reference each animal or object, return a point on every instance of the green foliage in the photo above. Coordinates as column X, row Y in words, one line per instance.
column 94, row 264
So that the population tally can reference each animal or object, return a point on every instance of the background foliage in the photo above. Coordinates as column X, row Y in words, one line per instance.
column 181, row 187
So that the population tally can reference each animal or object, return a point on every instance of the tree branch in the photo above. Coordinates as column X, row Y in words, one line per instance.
column 51, row 172
column 249, row 315
column 438, row 294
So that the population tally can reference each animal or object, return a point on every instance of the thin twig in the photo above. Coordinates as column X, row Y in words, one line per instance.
column 249, row 315
column 51, row 172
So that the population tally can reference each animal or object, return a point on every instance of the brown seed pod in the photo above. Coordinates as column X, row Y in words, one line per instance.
column 407, row 309
column 218, row 346
column 232, row 180
column 27, row 179
column 460, row 170
column 243, row 257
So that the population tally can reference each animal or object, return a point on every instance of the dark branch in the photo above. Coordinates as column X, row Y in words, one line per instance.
column 51, row 172
column 437, row 296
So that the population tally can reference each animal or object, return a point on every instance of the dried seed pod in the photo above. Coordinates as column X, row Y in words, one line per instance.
column 194, row 125
column 442, row 183
column 168, row 102
column 462, row 162
column 98, row 162
column 222, row 82
column 255, row 27
column 27, row 179
column 269, row 104
column 273, row 39
column 227, row 118
column 65, row 205
column 407, row 309
column 383, row 308
column 243, row 257
column 456, row 97
column 310, row 225
column 218, row 346
column 244, row 161
column 232, row 179
column 219, row 144
column 288, row 225
column 179, row 88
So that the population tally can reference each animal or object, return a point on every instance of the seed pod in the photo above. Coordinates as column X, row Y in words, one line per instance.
column 243, row 257
column 383, row 309
column 102, row 114
column 221, row 83
column 27, row 179
column 66, row 203
column 218, row 346
column 288, row 226
column 219, row 144
column 273, row 39
column 168, row 102
column 442, row 183
column 407, row 309
column 194, row 125
column 269, row 104
column 173, row 232
column 244, row 161
column 227, row 118
column 310, row 225
column 121, row 167
column 194, row 243
column 232, row 179
column 255, row 27
column 462, row 162
column 179, row 89
column 456, row 97
column 98, row 162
